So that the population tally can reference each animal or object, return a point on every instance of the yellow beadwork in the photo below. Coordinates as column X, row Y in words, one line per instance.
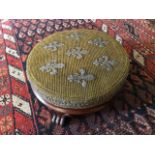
column 104, row 83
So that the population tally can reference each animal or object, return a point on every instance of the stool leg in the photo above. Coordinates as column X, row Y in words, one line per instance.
column 59, row 119
column 53, row 118
column 62, row 121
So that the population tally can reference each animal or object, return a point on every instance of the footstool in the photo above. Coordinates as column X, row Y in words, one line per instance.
column 77, row 71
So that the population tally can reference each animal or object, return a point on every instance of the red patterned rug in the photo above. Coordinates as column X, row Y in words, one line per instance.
column 132, row 110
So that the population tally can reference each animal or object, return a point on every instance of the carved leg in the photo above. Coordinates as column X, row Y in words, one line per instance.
column 59, row 119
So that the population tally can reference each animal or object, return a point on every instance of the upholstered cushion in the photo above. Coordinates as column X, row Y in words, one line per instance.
column 77, row 68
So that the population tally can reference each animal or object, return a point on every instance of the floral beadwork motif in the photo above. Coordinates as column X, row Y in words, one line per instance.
column 81, row 77
column 74, row 36
column 52, row 67
column 98, row 42
column 105, row 62
column 77, row 52
column 53, row 46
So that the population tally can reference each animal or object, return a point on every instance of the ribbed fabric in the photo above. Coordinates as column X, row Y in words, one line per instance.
column 58, row 88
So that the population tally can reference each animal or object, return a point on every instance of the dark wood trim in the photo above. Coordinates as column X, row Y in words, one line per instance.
column 68, row 112
column 75, row 111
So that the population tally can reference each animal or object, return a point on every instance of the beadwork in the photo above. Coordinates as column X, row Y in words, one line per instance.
column 53, row 46
column 81, row 78
column 77, row 52
column 74, row 36
column 98, row 42
column 105, row 62
column 52, row 67
column 83, row 73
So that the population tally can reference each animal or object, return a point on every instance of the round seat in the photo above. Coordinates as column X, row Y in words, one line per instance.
column 77, row 69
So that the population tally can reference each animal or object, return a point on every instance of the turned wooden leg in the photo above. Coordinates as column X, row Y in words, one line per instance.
column 59, row 119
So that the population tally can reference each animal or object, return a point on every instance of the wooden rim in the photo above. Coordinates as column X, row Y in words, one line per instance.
column 66, row 111
column 74, row 111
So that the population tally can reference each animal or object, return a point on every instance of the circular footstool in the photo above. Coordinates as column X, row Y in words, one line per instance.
column 77, row 72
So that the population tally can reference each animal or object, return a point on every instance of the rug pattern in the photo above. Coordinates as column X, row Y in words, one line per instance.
column 137, row 36
column 16, row 115
column 132, row 111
